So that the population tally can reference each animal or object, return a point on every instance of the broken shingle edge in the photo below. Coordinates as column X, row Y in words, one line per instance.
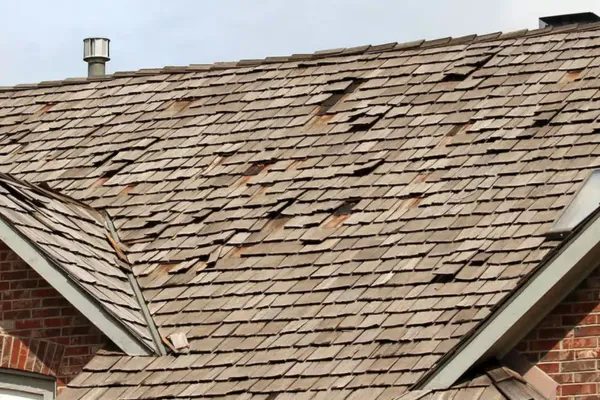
column 548, row 284
column 135, row 287
column 110, row 325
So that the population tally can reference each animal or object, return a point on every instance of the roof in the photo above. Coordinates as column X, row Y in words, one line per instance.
column 494, row 383
column 325, row 227
column 75, row 238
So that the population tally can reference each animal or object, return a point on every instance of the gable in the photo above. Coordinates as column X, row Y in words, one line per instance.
column 556, row 275
column 565, row 343
column 40, row 331
column 68, row 244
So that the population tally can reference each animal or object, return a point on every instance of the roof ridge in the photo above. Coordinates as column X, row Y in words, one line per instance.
column 317, row 55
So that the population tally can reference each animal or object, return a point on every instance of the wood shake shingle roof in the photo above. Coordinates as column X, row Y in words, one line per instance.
column 326, row 226
column 75, row 238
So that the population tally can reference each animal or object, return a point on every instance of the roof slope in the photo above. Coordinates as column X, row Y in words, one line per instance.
column 74, row 237
column 321, row 228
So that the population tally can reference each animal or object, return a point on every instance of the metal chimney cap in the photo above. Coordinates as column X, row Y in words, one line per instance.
column 96, row 48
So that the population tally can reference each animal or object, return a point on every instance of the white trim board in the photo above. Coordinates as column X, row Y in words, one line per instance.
column 100, row 317
column 21, row 381
column 548, row 286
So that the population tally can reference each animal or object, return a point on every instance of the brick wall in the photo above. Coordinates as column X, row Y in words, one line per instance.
column 39, row 330
column 566, row 345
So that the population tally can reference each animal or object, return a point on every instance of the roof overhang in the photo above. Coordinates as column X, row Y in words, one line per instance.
column 561, row 272
column 81, row 300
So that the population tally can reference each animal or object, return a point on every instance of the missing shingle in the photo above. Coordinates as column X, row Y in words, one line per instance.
column 340, row 214
column 322, row 119
column 454, row 77
column 150, row 224
column 573, row 75
column 164, row 268
column 455, row 129
column 276, row 211
column 104, row 159
column 46, row 186
column 256, row 169
column 540, row 122
column 367, row 168
column 442, row 278
column 45, row 108
column 346, row 207
column 275, row 224
column 108, row 167
column 545, row 114
column 479, row 259
column 201, row 215
column 414, row 202
column 113, row 170
column 335, row 220
column 463, row 69
column 239, row 251
column 363, row 124
column 477, row 263
column 178, row 105
column 127, row 189
column 338, row 96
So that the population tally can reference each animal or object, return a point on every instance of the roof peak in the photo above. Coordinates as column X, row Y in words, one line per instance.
column 317, row 55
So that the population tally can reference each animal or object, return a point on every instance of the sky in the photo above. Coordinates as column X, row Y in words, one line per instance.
column 43, row 40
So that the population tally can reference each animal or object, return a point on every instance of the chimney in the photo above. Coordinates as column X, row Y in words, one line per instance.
column 96, row 53
column 568, row 19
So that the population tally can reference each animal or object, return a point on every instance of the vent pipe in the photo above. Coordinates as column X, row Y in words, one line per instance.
column 96, row 52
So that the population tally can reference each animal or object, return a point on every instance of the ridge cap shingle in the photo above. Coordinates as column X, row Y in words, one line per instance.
column 319, row 54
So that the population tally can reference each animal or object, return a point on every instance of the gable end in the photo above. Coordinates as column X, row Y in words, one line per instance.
column 107, row 323
column 566, row 268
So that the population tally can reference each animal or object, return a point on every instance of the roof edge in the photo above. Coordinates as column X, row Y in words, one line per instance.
column 110, row 325
column 116, row 243
column 548, row 284
column 317, row 55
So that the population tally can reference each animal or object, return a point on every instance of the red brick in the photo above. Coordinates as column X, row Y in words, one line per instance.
column 28, row 324
column 575, row 320
column 583, row 365
column 582, row 331
column 587, row 354
column 544, row 345
column 561, row 355
column 584, row 377
column 563, row 308
column 563, row 378
column 45, row 312
column 580, row 343
column 550, row 368
column 26, row 304
column 552, row 333
column 17, row 315
column 46, row 293
column 57, row 322
column 578, row 388
column 13, row 275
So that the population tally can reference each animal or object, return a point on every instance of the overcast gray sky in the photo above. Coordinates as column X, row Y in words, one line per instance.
column 42, row 40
